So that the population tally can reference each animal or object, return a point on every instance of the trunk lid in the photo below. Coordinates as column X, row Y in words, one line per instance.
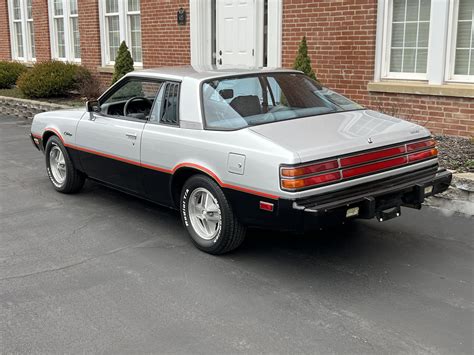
column 335, row 134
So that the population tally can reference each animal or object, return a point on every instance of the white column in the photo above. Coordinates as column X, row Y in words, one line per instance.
column 381, row 4
column 438, row 40
column 201, row 36
column 275, row 18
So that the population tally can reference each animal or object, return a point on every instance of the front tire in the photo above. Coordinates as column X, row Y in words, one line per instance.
column 61, row 172
column 208, row 216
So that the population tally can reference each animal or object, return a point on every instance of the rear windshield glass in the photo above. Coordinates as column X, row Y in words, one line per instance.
column 238, row 102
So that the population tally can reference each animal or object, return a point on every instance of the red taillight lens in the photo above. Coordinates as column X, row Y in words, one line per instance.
column 310, row 169
column 375, row 167
column 430, row 143
column 310, row 181
column 367, row 157
column 426, row 154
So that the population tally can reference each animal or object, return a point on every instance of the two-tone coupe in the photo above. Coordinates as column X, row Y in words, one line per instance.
column 241, row 148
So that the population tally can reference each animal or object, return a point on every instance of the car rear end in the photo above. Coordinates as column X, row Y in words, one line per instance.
column 355, row 185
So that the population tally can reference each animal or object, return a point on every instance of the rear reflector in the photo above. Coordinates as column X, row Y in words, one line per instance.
column 370, row 168
column 367, row 157
column 310, row 181
column 266, row 206
column 310, row 169
column 426, row 154
column 421, row 145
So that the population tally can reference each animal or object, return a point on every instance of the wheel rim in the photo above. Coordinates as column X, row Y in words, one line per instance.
column 57, row 164
column 205, row 214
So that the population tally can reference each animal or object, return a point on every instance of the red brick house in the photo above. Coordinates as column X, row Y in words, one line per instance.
column 411, row 58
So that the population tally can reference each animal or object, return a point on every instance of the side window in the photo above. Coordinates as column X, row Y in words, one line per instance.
column 166, row 109
column 134, row 99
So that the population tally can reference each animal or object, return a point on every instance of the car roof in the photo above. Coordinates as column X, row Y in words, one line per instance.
column 202, row 73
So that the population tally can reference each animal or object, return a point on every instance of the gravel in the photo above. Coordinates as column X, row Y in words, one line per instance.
column 456, row 153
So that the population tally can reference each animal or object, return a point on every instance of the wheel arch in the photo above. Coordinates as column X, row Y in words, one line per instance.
column 181, row 175
column 48, row 133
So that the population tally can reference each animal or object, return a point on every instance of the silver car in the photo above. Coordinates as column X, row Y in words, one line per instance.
column 241, row 148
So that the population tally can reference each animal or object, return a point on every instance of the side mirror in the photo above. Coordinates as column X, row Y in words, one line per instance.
column 92, row 106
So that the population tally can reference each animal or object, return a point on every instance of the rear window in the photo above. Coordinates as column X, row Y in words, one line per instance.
column 238, row 102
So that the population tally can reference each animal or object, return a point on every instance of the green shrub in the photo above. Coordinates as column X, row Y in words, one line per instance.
column 9, row 73
column 51, row 79
column 123, row 62
column 302, row 61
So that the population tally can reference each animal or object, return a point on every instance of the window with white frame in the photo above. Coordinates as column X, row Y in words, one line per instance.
column 425, row 40
column 121, row 21
column 22, row 30
column 64, row 22
column 408, row 28
column 461, row 53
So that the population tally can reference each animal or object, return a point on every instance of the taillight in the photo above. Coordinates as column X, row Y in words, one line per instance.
column 309, row 169
column 425, row 154
column 310, row 181
column 368, row 157
column 374, row 167
column 357, row 165
column 430, row 143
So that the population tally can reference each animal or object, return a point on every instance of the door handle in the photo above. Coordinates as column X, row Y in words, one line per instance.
column 131, row 135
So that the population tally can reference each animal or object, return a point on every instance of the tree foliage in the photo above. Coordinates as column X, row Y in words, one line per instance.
column 303, row 61
column 123, row 62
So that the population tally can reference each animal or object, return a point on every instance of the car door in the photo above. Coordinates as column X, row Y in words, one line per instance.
column 109, row 140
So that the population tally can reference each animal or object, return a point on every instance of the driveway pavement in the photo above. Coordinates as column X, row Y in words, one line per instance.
column 103, row 272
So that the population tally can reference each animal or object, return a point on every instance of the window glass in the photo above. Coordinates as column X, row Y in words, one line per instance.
column 464, row 55
column 65, row 39
column 113, row 27
column 233, row 103
column 122, row 22
column 23, row 33
column 134, row 88
column 410, row 35
column 169, row 104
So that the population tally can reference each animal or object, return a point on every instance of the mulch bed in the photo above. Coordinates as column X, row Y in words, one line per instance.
column 456, row 153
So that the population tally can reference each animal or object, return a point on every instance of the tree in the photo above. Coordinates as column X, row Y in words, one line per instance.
column 302, row 61
column 123, row 62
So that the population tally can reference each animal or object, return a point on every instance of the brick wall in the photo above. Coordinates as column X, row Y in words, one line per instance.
column 90, row 33
column 341, row 43
column 5, row 53
column 164, row 41
column 41, row 25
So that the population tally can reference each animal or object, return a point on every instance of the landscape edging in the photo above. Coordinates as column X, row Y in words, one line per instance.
column 25, row 108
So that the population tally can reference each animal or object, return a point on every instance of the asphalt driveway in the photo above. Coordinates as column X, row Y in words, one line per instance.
column 103, row 272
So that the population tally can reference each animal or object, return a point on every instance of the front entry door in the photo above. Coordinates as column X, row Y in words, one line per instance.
column 111, row 150
column 109, row 141
column 235, row 32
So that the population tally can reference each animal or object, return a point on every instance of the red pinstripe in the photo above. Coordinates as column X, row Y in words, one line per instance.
column 164, row 170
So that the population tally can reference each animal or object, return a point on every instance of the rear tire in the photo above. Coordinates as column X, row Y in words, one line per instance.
column 208, row 216
column 61, row 172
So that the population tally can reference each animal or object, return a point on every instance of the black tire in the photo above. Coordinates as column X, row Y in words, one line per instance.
column 231, row 233
column 74, row 180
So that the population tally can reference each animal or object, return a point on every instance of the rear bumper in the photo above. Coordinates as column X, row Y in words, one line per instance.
column 382, row 199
